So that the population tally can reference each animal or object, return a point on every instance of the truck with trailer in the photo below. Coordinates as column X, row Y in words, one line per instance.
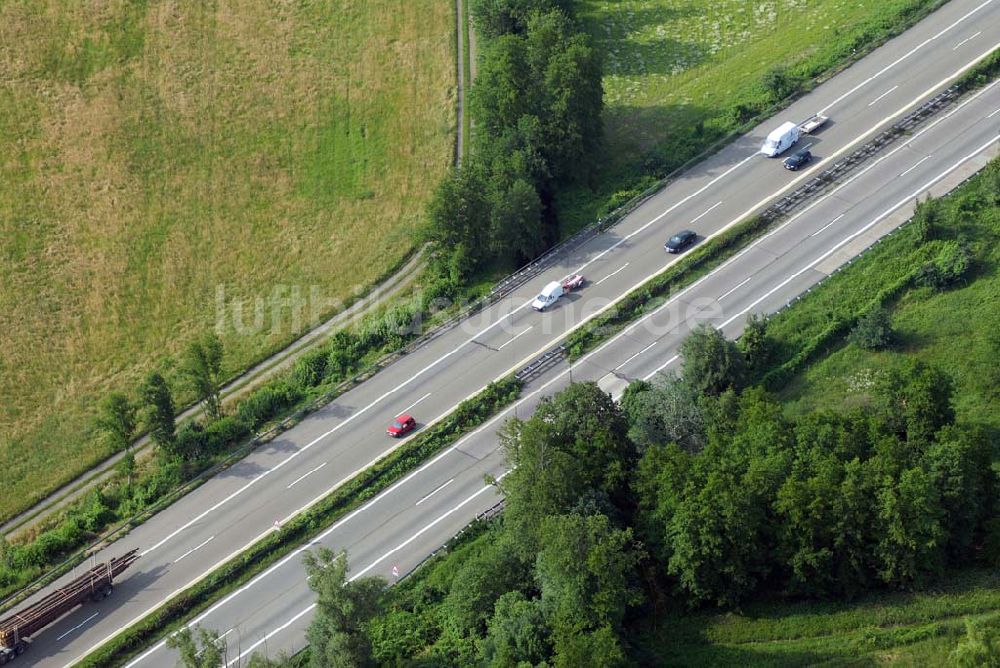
column 96, row 584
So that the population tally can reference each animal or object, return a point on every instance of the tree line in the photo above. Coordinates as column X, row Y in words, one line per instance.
column 687, row 493
column 536, row 106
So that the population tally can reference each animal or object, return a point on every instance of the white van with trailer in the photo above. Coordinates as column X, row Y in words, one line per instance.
column 549, row 295
column 780, row 139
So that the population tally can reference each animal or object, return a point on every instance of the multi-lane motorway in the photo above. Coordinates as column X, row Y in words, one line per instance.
column 399, row 527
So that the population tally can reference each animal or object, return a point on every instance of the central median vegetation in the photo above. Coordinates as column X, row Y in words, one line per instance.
column 502, row 207
column 185, row 455
column 353, row 493
column 844, row 510
column 538, row 116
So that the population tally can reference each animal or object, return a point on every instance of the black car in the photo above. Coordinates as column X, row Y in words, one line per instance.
column 680, row 241
column 799, row 158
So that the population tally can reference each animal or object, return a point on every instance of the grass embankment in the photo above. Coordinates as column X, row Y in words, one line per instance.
column 954, row 330
column 154, row 154
column 906, row 629
column 681, row 75
column 918, row 629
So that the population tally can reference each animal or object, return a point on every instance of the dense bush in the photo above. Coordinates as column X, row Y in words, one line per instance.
column 310, row 369
column 225, row 432
column 951, row 266
column 356, row 491
column 596, row 527
column 873, row 330
column 265, row 403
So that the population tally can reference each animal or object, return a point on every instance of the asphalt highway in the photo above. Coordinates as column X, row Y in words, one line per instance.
column 397, row 529
column 401, row 526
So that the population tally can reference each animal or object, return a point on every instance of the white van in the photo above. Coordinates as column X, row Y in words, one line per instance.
column 780, row 139
column 548, row 296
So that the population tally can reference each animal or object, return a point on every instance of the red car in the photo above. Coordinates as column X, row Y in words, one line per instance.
column 402, row 425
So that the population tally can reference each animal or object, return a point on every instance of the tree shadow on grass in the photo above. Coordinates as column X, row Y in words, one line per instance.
column 616, row 32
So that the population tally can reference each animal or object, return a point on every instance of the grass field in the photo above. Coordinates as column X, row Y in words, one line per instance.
column 955, row 330
column 918, row 629
column 676, row 69
column 153, row 152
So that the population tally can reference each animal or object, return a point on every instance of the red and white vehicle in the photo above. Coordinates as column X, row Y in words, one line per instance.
column 551, row 293
column 573, row 283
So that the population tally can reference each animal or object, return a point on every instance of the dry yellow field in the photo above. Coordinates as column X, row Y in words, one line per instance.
column 156, row 155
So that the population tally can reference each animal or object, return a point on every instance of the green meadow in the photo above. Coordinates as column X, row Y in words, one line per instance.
column 155, row 154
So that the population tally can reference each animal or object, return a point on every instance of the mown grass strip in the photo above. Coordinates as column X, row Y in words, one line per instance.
column 176, row 612
column 792, row 633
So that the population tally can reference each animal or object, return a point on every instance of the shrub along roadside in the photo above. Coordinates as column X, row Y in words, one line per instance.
column 200, row 449
column 469, row 414
column 898, row 262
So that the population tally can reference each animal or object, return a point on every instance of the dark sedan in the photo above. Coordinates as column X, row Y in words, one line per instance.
column 798, row 159
column 680, row 241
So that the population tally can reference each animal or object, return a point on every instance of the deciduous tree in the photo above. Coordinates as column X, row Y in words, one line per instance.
column 117, row 419
column 337, row 635
column 159, row 405
column 200, row 648
column 586, row 572
column 711, row 364
column 202, row 367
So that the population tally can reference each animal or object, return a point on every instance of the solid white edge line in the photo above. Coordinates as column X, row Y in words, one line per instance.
column 557, row 377
column 500, row 320
column 867, row 227
column 900, row 59
column 366, row 569
column 846, row 240
column 956, row 74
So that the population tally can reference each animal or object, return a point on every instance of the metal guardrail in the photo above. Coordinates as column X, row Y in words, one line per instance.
column 500, row 290
column 487, row 515
column 849, row 163
column 541, row 364
column 814, row 186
